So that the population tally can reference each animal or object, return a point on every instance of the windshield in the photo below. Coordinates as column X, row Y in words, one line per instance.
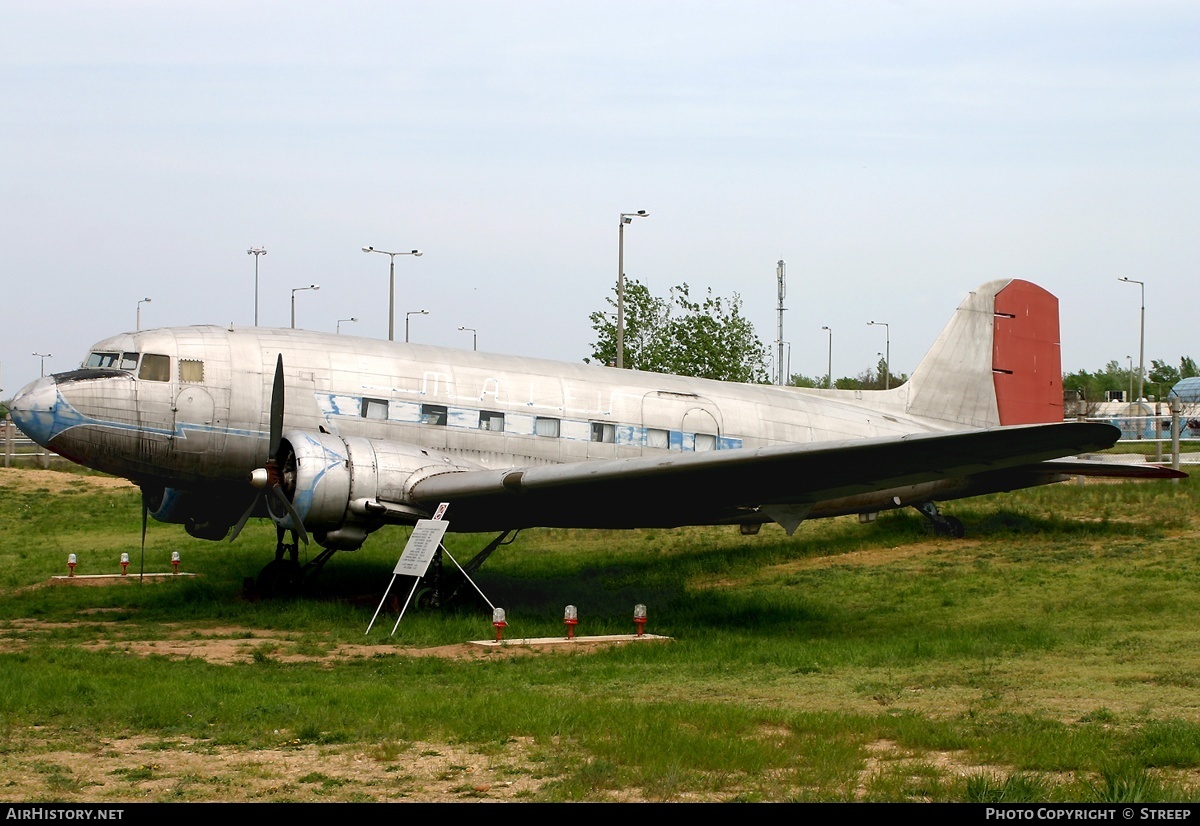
column 118, row 361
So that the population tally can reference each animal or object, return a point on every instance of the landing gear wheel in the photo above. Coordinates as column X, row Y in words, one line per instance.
column 427, row 598
column 942, row 525
column 279, row 577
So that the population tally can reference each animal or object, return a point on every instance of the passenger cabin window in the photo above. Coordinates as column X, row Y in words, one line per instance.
column 155, row 367
column 191, row 370
column 543, row 426
column 374, row 408
column 658, row 438
column 434, row 414
column 706, row 441
column 491, row 421
column 602, row 432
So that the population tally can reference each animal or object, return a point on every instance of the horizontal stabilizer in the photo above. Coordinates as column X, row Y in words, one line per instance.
column 1113, row 470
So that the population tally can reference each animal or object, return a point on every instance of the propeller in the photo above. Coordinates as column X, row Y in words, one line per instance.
column 142, row 564
column 280, row 464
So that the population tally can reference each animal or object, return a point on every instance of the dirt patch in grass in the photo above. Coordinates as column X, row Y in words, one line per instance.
column 231, row 645
column 141, row 769
column 57, row 481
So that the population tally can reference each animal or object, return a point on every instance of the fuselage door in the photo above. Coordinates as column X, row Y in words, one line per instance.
column 155, row 410
column 693, row 422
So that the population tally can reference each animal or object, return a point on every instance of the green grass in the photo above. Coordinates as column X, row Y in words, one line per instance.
column 1052, row 655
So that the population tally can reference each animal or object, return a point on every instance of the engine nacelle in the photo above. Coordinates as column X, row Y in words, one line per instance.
column 344, row 488
column 204, row 514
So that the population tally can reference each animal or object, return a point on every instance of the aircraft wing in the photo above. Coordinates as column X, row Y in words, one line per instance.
column 718, row 486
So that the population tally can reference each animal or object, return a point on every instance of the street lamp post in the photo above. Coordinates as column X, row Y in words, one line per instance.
column 829, row 369
column 409, row 315
column 297, row 290
column 474, row 337
column 256, row 252
column 339, row 324
column 887, row 356
column 139, row 312
column 1141, row 339
column 43, row 357
column 1130, row 404
column 392, row 285
column 626, row 218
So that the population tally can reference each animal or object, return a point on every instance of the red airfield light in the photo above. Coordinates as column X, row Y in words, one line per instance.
column 124, row 564
column 175, row 561
column 71, row 562
column 571, row 619
column 499, row 623
column 639, row 618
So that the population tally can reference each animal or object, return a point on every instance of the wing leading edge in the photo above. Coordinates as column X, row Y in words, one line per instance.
column 723, row 486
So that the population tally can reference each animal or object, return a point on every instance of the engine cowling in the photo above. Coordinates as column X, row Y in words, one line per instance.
column 345, row 488
column 205, row 514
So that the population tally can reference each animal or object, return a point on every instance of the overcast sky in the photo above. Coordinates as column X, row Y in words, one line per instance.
column 895, row 154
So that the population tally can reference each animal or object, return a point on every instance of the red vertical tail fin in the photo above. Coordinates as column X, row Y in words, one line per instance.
column 996, row 363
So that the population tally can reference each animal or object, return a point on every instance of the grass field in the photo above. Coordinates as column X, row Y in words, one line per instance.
column 1053, row 654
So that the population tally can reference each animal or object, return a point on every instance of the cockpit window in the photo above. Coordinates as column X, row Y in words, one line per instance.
column 102, row 359
column 119, row 361
column 155, row 367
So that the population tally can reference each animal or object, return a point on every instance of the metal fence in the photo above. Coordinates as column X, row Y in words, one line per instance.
column 19, row 450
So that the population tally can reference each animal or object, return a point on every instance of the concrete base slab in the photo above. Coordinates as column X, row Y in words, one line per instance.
column 540, row 641
column 92, row 578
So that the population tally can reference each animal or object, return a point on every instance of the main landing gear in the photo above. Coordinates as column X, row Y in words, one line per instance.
column 284, row 575
column 442, row 586
column 942, row 525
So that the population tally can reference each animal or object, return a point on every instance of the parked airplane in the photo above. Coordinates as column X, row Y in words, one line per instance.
column 379, row 433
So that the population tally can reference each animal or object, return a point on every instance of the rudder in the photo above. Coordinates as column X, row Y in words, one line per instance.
column 997, row 362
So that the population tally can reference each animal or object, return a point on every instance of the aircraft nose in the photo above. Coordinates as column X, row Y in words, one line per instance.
column 34, row 407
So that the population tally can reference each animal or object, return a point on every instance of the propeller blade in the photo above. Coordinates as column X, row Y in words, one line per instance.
column 277, row 408
column 297, row 523
column 241, row 523
column 142, row 568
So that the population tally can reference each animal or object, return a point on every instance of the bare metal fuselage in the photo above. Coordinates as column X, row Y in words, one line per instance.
column 202, row 424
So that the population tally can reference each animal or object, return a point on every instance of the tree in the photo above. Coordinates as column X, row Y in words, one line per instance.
column 1093, row 386
column 1167, row 376
column 707, row 338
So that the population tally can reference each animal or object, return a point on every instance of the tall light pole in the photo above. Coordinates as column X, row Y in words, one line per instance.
column 474, row 337
column 339, row 324
column 43, row 357
column 392, row 285
column 887, row 356
column 1130, row 359
column 409, row 315
column 829, row 373
column 139, row 312
column 256, row 252
column 297, row 290
column 781, row 284
column 626, row 218
column 1141, row 339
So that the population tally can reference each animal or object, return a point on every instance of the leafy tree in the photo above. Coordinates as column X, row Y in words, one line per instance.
column 801, row 380
column 1160, row 378
column 1167, row 376
column 708, row 338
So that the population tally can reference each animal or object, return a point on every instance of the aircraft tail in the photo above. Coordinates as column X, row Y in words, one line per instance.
column 996, row 363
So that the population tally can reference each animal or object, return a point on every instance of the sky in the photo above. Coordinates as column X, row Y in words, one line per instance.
column 895, row 154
